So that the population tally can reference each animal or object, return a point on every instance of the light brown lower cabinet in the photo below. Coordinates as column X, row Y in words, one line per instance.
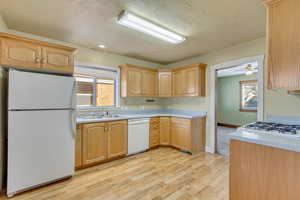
column 259, row 172
column 165, row 131
column 94, row 143
column 154, row 132
column 117, row 139
column 103, row 141
column 181, row 133
column 99, row 142
column 188, row 134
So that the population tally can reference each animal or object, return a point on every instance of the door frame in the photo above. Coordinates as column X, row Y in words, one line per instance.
column 213, row 94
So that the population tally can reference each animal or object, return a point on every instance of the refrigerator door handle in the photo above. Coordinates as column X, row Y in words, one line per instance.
column 73, row 102
column 73, row 122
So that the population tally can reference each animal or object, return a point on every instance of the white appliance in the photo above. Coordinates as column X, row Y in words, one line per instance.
column 41, row 129
column 138, row 135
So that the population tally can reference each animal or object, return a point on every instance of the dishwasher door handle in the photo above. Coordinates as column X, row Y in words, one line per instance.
column 140, row 122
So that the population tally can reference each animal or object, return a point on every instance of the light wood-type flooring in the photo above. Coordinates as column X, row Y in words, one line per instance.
column 162, row 173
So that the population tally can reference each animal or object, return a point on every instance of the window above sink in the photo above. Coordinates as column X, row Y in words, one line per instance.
column 97, row 87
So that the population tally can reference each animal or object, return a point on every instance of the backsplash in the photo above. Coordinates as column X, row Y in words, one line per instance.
column 186, row 103
column 140, row 103
column 129, row 103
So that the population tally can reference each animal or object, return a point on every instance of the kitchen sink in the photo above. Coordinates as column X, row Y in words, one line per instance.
column 99, row 116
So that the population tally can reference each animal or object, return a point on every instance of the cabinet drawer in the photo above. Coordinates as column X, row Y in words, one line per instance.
column 180, row 121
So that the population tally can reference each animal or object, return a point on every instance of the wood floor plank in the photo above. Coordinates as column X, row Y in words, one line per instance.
column 159, row 174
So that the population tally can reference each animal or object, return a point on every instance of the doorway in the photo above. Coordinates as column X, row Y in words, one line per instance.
column 236, row 99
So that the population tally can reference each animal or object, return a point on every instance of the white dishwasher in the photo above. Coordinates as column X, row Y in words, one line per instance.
column 138, row 135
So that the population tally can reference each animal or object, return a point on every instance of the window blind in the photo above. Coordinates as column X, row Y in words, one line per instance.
column 84, row 87
column 97, row 72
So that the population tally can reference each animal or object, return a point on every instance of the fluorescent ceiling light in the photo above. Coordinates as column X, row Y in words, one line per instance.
column 137, row 23
column 101, row 46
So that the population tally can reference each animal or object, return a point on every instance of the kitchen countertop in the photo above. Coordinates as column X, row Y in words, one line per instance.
column 145, row 114
column 282, row 142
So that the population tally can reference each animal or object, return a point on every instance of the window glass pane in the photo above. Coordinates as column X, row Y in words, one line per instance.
column 105, row 90
column 97, row 87
column 249, row 95
column 84, row 91
column 84, row 100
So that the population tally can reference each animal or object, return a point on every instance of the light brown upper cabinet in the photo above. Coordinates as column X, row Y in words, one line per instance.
column 178, row 83
column 134, row 82
column 25, row 53
column 16, row 53
column 150, row 81
column 57, row 59
column 283, row 43
column 165, row 83
column 117, row 138
column 138, row 81
column 189, row 80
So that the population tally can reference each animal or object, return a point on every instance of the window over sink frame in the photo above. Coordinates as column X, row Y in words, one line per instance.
column 96, row 73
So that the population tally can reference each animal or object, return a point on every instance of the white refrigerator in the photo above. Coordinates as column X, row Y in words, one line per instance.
column 41, row 129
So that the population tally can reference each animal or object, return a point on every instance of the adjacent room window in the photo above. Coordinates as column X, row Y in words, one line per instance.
column 248, row 96
column 96, row 87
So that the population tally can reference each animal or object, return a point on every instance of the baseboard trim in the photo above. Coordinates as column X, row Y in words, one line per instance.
column 228, row 125
column 209, row 149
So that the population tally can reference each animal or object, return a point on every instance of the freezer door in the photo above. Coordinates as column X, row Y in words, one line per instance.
column 40, row 91
column 40, row 148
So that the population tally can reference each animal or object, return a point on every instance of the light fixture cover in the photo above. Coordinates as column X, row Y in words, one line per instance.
column 137, row 23
column 101, row 46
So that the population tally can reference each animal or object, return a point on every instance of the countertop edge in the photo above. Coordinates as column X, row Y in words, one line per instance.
column 136, row 116
column 265, row 142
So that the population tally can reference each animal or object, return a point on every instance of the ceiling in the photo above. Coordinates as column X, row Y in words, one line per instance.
column 237, row 70
column 208, row 24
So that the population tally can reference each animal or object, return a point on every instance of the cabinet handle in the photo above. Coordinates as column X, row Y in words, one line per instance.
column 43, row 61
column 37, row 60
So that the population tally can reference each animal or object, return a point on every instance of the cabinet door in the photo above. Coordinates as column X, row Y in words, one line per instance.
column 94, row 143
column 57, row 60
column 283, row 44
column 117, row 139
column 177, row 136
column 20, row 54
column 165, row 130
column 154, row 132
column 191, row 81
column 178, row 83
column 181, row 134
column 78, row 147
column 165, row 84
column 134, row 82
column 149, row 83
